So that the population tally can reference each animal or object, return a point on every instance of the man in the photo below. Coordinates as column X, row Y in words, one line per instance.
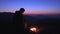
column 18, row 20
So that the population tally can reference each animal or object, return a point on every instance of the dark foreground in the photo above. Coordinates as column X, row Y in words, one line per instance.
column 48, row 25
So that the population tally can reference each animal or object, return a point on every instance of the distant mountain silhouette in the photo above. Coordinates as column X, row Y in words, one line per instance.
column 8, row 18
column 5, row 16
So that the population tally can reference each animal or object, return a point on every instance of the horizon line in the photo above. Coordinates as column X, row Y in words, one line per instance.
column 35, row 12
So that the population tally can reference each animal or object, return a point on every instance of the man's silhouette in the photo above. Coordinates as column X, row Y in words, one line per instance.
column 18, row 20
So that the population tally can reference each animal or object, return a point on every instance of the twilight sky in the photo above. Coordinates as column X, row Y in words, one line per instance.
column 31, row 6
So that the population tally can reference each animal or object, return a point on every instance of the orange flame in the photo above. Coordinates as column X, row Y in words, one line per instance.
column 34, row 29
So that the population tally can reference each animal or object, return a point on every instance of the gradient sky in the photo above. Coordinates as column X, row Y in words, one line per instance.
column 31, row 6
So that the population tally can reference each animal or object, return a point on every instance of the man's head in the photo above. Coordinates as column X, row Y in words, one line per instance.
column 21, row 10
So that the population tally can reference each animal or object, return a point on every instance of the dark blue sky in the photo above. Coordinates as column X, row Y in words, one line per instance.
column 30, row 5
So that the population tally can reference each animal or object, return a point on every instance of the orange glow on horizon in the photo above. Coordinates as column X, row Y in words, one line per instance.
column 41, row 12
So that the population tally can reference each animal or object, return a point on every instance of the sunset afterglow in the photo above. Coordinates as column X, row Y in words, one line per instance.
column 31, row 6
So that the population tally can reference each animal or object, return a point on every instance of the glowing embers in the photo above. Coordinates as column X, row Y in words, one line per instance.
column 34, row 29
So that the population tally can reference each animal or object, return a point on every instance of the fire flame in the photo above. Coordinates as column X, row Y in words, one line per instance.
column 34, row 29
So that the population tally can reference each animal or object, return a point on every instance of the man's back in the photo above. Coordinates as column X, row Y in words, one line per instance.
column 18, row 21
